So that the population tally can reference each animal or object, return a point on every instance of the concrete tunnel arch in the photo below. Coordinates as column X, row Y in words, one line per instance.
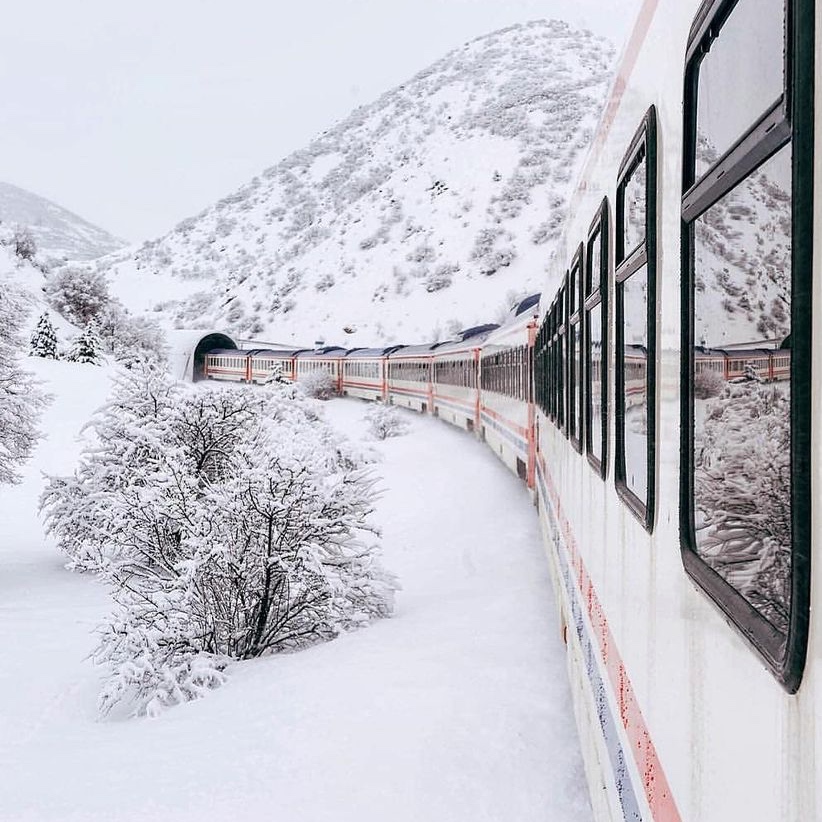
column 189, row 349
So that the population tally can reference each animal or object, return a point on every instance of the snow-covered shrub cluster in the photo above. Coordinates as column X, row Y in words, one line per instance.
column 227, row 522
column 318, row 384
column 742, row 489
column 21, row 400
column 386, row 421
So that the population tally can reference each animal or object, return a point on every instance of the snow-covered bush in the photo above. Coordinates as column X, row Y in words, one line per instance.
column 79, row 294
column 742, row 490
column 20, row 399
column 228, row 522
column 44, row 339
column 707, row 384
column 318, row 384
column 386, row 421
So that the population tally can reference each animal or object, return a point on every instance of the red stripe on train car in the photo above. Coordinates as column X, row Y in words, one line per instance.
column 655, row 784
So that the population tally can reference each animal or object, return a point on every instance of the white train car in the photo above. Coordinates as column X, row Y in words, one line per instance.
column 328, row 359
column 229, row 364
column 264, row 363
column 455, row 378
column 409, row 377
column 365, row 373
column 506, row 389
column 680, row 523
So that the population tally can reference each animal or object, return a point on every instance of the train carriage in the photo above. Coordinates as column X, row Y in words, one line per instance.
column 266, row 362
column 455, row 378
column 676, row 603
column 328, row 359
column 365, row 373
column 506, row 393
column 409, row 376
column 226, row 364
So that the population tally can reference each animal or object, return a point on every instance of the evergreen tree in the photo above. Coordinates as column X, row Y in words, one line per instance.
column 86, row 347
column 44, row 339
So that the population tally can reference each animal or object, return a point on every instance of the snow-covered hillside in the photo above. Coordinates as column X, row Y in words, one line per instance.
column 58, row 233
column 427, row 210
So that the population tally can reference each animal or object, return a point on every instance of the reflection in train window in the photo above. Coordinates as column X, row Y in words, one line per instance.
column 746, row 301
column 742, row 427
column 595, row 336
column 575, row 428
column 734, row 93
column 635, row 278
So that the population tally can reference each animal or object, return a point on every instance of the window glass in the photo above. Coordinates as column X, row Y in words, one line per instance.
column 594, row 379
column 594, row 264
column 635, row 208
column 740, row 77
column 635, row 371
column 742, row 420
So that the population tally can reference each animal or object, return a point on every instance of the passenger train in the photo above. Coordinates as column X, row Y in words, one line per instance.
column 658, row 401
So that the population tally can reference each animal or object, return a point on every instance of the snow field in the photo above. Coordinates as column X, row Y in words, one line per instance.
column 456, row 708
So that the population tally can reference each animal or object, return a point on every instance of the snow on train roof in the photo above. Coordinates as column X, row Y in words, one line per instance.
column 327, row 351
column 471, row 338
column 412, row 350
column 372, row 352
column 528, row 302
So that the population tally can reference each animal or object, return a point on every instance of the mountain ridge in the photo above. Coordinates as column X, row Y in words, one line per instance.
column 433, row 207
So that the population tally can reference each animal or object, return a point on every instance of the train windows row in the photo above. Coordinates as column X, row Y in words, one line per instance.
column 411, row 371
column 745, row 353
column 460, row 372
column 366, row 370
column 506, row 373
column 571, row 374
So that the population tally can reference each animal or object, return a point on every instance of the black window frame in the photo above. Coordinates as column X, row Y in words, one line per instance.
column 576, row 402
column 790, row 120
column 627, row 262
column 562, row 356
column 598, row 231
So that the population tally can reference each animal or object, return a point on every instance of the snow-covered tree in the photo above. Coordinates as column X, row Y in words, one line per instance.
column 20, row 398
column 44, row 339
column 386, row 421
column 86, row 346
column 79, row 294
column 23, row 244
column 229, row 522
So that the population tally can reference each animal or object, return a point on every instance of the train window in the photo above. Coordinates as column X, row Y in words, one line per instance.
column 635, row 278
column 562, row 350
column 747, row 236
column 724, row 111
column 575, row 427
column 596, row 337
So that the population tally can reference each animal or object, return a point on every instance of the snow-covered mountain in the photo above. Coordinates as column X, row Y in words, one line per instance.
column 429, row 209
column 57, row 232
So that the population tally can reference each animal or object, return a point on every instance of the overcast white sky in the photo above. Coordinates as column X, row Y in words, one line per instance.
column 136, row 115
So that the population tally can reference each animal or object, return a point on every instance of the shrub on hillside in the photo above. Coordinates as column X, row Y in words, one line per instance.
column 79, row 294
column 228, row 522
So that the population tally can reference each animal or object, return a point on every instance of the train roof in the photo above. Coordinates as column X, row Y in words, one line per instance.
column 275, row 352
column 228, row 352
column 371, row 352
column 412, row 350
column 327, row 351
column 477, row 330
column 527, row 303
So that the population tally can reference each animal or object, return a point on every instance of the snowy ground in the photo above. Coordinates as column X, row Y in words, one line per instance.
column 455, row 709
